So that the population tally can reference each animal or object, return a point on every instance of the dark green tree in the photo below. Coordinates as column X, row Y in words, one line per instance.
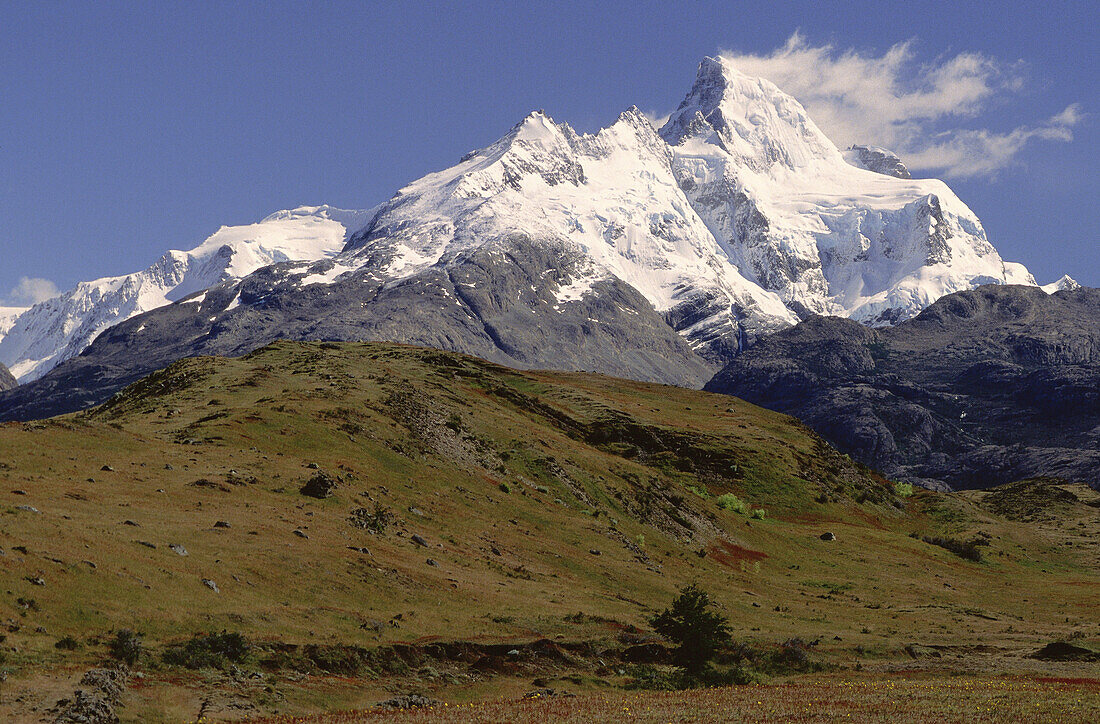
column 696, row 631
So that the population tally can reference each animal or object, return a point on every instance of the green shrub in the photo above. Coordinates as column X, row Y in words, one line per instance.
column 696, row 631
column 759, row 514
column 701, row 492
column 731, row 502
column 209, row 651
column 903, row 490
column 126, row 646
column 505, row 488
column 67, row 643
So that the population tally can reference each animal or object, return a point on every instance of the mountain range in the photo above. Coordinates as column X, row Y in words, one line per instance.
column 649, row 253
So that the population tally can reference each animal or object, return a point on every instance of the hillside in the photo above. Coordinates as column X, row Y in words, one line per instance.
column 477, row 510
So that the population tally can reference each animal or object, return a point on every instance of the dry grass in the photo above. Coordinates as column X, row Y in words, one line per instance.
column 893, row 700
column 438, row 465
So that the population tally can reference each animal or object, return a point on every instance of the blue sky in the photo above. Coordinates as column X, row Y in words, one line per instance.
column 127, row 129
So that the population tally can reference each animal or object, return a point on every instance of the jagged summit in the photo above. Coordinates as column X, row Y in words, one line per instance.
column 753, row 120
column 1066, row 283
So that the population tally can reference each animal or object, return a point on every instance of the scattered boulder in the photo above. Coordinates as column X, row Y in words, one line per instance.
column 300, row 533
column 222, row 524
column 431, row 562
column 1065, row 651
column 319, row 486
column 28, row 508
column 94, row 704
column 205, row 483
column 409, row 701
column 827, row 536
column 177, row 549
column 419, row 540
column 209, row 583
column 107, row 469
column 86, row 708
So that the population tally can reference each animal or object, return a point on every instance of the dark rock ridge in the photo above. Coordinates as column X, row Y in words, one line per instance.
column 878, row 160
column 502, row 312
column 984, row 387
column 6, row 380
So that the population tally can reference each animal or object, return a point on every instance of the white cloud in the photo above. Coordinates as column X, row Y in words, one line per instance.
column 891, row 100
column 655, row 118
column 31, row 290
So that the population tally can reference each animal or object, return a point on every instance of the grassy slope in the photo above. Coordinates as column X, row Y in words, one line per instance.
column 591, row 463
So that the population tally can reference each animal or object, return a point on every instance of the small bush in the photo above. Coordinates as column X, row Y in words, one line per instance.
column 126, row 646
column 731, row 502
column 505, row 488
column 967, row 550
column 375, row 521
column 701, row 492
column 903, row 490
column 210, row 651
column 67, row 643
column 759, row 514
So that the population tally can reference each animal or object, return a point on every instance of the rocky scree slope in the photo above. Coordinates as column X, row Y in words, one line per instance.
column 984, row 387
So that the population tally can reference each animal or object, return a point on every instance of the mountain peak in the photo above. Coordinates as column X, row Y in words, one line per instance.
column 756, row 122
column 1066, row 283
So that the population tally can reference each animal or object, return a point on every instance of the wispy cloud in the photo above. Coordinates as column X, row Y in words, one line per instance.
column 891, row 100
column 31, row 290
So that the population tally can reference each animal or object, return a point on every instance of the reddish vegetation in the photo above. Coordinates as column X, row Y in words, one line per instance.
column 731, row 554
column 1091, row 683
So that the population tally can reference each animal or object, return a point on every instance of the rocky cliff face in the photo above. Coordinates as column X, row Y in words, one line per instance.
column 983, row 387
column 6, row 380
column 879, row 160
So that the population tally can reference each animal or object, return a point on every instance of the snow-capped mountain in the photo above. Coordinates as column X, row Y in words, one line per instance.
column 34, row 340
column 8, row 315
column 799, row 220
column 644, row 253
column 734, row 220
column 1065, row 283
column 612, row 197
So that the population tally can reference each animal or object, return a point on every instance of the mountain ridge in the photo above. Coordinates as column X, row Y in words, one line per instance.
column 984, row 387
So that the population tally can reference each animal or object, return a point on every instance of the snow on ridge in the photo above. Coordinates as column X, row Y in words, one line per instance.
column 1065, row 283
column 56, row 329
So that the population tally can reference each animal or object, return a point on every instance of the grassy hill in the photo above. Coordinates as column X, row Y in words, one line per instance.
column 484, row 529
